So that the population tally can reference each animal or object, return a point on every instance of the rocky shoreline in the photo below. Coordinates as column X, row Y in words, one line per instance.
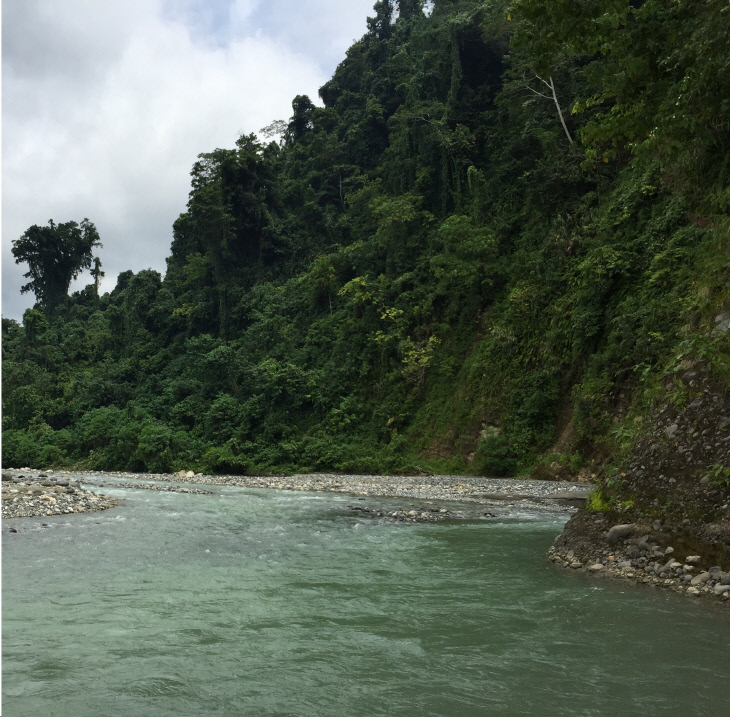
column 441, row 497
column 422, row 514
column 155, row 487
column 663, row 519
column 25, row 495
column 551, row 496
column 659, row 554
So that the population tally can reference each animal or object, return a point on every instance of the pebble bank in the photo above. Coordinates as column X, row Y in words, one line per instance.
column 26, row 494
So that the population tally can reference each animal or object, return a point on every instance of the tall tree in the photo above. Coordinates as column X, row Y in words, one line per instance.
column 301, row 120
column 409, row 8
column 380, row 26
column 55, row 255
column 97, row 274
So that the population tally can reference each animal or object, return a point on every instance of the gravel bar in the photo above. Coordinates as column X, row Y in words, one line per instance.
column 28, row 492
column 31, row 494
column 520, row 492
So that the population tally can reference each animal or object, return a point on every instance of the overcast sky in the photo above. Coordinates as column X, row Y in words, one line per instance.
column 107, row 103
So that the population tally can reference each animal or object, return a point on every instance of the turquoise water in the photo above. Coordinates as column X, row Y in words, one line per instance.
column 269, row 603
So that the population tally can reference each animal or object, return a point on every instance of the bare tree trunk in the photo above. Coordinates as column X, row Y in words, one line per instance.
column 551, row 85
column 554, row 97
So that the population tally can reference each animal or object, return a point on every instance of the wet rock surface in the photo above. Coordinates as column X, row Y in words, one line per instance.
column 657, row 554
column 421, row 513
column 153, row 486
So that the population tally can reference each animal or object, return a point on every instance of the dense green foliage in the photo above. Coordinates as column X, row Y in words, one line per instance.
column 55, row 255
column 424, row 273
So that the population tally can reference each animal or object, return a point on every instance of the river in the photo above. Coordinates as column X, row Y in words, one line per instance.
column 272, row 603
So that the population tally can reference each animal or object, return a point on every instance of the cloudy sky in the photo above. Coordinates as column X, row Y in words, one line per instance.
column 107, row 103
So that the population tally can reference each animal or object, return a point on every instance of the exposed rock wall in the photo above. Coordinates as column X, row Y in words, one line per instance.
column 665, row 518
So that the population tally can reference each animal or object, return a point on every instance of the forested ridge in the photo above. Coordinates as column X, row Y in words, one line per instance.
column 499, row 241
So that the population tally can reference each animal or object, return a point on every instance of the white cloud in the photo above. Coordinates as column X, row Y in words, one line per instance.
column 106, row 106
column 321, row 29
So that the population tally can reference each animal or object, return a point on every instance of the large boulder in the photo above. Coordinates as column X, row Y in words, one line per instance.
column 620, row 531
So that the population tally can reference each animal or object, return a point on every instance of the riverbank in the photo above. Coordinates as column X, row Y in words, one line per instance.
column 657, row 554
column 28, row 493
column 663, row 518
column 552, row 496
column 31, row 494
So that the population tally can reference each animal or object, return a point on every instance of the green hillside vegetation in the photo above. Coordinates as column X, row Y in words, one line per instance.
column 488, row 252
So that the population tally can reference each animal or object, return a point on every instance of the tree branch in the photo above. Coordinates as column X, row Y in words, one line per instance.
column 551, row 85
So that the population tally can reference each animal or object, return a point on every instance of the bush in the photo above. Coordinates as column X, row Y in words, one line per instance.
column 19, row 449
column 597, row 503
column 495, row 457
column 51, row 457
column 222, row 459
column 155, row 447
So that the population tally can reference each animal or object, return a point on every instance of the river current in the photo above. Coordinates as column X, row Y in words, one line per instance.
column 281, row 604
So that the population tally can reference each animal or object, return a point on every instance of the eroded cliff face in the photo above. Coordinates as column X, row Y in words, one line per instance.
column 664, row 519
column 678, row 467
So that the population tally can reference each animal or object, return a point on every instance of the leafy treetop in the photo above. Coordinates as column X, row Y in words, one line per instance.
column 55, row 255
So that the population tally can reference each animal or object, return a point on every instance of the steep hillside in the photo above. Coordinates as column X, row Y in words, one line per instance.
column 499, row 247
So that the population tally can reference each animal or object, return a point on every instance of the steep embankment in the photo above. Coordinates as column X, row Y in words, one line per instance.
column 664, row 518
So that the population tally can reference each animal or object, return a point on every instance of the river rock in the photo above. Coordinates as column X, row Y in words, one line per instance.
column 720, row 589
column 620, row 531
column 34, row 498
column 722, row 325
column 596, row 567
column 693, row 559
column 700, row 579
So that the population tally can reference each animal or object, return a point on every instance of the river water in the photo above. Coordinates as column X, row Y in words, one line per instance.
column 269, row 603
